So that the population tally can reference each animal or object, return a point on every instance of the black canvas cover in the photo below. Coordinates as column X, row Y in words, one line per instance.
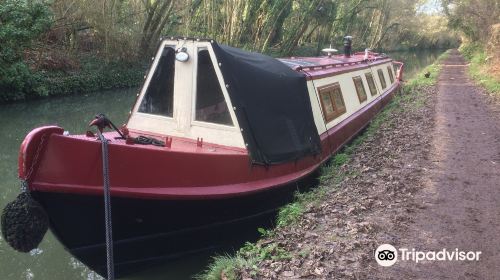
column 272, row 106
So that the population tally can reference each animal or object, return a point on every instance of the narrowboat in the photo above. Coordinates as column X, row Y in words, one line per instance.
column 228, row 136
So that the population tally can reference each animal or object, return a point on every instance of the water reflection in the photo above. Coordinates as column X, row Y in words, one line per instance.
column 415, row 61
column 73, row 113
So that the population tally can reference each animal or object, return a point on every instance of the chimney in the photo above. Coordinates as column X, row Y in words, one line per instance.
column 347, row 46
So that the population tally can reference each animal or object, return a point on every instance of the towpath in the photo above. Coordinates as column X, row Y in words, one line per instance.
column 461, row 192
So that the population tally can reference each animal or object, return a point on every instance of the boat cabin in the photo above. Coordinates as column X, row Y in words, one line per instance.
column 183, row 96
column 276, row 109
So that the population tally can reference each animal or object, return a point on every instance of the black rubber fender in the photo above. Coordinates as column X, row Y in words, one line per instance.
column 24, row 223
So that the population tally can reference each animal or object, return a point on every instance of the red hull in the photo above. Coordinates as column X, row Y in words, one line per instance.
column 72, row 164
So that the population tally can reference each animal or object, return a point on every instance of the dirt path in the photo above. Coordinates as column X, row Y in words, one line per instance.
column 461, row 194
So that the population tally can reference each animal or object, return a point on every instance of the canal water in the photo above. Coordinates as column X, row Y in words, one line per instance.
column 73, row 113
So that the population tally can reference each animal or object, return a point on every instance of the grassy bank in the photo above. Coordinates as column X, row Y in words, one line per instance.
column 93, row 74
column 483, row 68
column 248, row 258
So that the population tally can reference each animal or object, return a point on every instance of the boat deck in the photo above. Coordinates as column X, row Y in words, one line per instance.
column 177, row 144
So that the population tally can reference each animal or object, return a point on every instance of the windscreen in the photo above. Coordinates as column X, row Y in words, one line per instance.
column 159, row 96
column 210, row 103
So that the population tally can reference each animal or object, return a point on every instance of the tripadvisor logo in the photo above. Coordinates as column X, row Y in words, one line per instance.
column 387, row 255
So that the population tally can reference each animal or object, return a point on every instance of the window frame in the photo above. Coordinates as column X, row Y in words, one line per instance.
column 145, row 86
column 381, row 78
column 355, row 80
column 391, row 76
column 183, row 124
column 220, row 79
column 372, row 86
column 330, row 90
column 195, row 94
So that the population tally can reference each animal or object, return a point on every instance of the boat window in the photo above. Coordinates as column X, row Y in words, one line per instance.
column 332, row 101
column 159, row 96
column 381, row 77
column 371, row 84
column 391, row 76
column 210, row 103
column 360, row 89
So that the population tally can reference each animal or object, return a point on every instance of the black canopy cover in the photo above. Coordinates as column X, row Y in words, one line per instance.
column 272, row 106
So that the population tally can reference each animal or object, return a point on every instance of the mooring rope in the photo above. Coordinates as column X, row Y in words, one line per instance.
column 107, row 208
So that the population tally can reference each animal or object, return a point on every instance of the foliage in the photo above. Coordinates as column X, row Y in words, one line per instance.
column 478, row 21
column 472, row 17
column 20, row 23
column 277, row 27
column 223, row 265
column 481, row 68
column 45, row 37
column 227, row 267
column 94, row 75
column 290, row 214
column 280, row 27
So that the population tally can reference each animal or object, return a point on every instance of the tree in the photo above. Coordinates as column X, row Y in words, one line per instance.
column 472, row 17
column 157, row 16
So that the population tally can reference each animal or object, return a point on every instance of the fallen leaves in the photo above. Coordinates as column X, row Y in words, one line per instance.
column 335, row 238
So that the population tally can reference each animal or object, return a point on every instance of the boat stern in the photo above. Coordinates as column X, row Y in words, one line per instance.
column 32, row 149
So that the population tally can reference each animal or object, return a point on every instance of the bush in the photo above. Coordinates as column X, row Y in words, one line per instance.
column 483, row 69
column 470, row 49
column 94, row 75
column 22, row 22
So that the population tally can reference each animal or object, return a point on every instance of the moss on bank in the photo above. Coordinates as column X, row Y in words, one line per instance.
column 481, row 68
column 248, row 257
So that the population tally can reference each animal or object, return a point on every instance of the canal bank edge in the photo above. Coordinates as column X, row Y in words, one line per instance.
column 93, row 75
column 288, row 246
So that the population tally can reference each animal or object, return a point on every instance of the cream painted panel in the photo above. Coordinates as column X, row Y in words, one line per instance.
column 183, row 87
column 369, row 97
column 182, row 124
column 220, row 136
column 391, row 68
column 151, row 122
column 154, row 123
column 386, row 76
column 210, row 132
column 316, row 108
column 349, row 94
column 150, row 74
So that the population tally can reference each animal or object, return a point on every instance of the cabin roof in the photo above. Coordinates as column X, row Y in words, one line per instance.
column 319, row 61
column 322, row 66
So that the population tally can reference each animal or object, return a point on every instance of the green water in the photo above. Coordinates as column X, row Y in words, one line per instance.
column 73, row 113
column 415, row 61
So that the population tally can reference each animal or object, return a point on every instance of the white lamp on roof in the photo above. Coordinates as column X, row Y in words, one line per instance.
column 329, row 51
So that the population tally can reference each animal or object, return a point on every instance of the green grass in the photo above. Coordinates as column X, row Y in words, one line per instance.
column 224, row 265
column 479, row 68
column 330, row 178
column 421, row 80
